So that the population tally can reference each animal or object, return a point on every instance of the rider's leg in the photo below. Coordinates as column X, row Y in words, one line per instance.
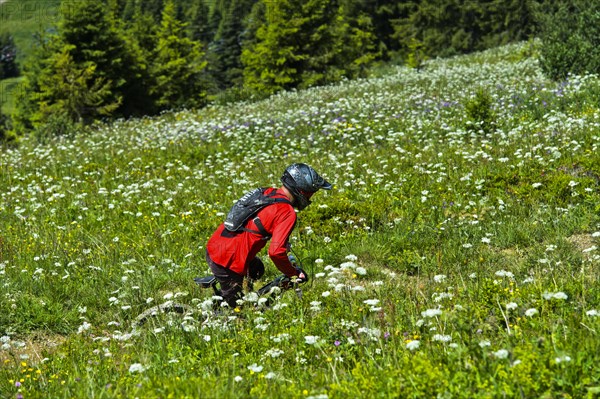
column 231, row 283
column 256, row 269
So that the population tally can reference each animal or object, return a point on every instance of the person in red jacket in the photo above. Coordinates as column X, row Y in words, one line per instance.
column 232, row 255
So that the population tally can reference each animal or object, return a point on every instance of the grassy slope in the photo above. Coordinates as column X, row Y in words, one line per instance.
column 23, row 19
column 447, row 261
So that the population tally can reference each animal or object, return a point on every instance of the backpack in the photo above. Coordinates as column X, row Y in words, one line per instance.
column 248, row 206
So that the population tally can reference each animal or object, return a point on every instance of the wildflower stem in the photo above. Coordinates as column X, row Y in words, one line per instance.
column 589, row 328
column 504, row 315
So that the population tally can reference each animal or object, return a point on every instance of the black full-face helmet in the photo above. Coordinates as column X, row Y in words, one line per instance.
column 303, row 181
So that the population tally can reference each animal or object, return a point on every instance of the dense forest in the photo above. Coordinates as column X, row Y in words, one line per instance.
column 128, row 58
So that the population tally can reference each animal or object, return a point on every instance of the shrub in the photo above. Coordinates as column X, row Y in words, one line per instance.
column 481, row 116
column 569, row 39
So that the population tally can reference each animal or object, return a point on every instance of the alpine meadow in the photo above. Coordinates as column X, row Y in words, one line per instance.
column 456, row 256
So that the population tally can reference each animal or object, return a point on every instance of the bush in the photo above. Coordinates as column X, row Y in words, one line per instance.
column 58, row 124
column 569, row 39
column 481, row 116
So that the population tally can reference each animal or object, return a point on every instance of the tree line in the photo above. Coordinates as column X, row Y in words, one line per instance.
column 128, row 58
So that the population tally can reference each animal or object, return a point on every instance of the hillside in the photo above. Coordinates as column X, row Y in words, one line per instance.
column 457, row 255
column 23, row 19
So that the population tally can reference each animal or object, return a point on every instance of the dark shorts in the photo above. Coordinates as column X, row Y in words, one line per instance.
column 231, row 283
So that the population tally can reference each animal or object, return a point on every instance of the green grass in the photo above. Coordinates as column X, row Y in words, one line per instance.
column 23, row 19
column 447, row 261
column 9, row 90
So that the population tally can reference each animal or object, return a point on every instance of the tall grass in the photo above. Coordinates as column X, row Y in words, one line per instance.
column 448, row 261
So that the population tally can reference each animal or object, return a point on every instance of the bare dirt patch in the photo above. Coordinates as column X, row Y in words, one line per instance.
column 581, row 241
column 32, row 349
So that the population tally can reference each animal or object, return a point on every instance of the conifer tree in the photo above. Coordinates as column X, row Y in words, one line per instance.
column 275, row 62
column 86, row 70
column 306, row 43
column 358, row 44
column 98, row 39
column 229, row 69
column 60, row 92
column 178, row 65
column 72, row 90
column 198, row 23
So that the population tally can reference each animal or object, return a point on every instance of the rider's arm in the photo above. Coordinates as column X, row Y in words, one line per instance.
column 284, row 223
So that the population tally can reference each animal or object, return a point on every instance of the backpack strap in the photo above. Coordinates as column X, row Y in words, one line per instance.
column 260, row 227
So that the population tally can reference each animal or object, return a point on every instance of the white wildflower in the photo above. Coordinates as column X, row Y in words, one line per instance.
column 504, row 273
column 255, row 368
column 136, row 368
column 84, row 327
column 531, row 312
column 442, row 338
column 431, row 313
column 563, row 359
column 311, row 339
column 592, row 313
column 413, row 345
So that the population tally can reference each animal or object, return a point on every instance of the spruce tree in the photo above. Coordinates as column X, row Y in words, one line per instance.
column 98, row 39
column 229, row 37
column 198, row 23
column 60, row 93
column 178, row 65
column 274, row 62
column 358, row 43
column 84, row 71
column 73, row 90
column 307, row 43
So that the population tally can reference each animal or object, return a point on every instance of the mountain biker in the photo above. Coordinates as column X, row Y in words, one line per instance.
column 232, row 255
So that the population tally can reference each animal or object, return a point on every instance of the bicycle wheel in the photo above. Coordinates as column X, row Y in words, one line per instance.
column 164, row 308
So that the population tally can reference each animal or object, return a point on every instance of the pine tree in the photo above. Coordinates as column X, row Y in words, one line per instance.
column 85, row 71
column 307, row 43
column 177, row 65
column 72, row 90
column 59, row 93
column 98, row 39
column 229, row 36
column 198, row 23
column 275, row 62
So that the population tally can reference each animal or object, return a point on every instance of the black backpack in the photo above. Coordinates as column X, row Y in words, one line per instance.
column 248, row 206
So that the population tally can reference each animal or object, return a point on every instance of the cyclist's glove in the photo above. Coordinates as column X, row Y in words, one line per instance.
column 300, row 277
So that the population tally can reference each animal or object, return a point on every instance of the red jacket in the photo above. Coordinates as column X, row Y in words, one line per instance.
column 235, row 250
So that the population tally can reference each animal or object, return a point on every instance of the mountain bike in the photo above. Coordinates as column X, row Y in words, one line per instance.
column 277, row 286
